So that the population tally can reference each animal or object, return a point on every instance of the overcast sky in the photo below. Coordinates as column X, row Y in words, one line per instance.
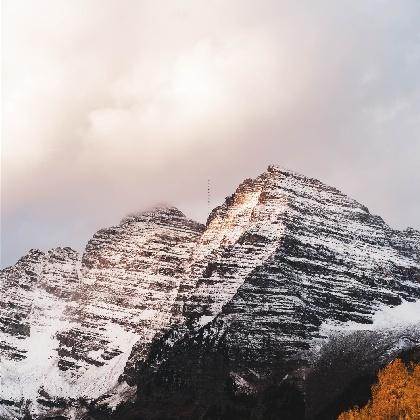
column 111, row 106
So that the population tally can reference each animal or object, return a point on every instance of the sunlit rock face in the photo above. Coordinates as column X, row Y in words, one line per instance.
column 131, row 275
column 235, row 318
column 236, row 241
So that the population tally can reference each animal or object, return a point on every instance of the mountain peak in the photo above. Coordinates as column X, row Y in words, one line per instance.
column 62, row 252
column 275, row 169
column 154, row 213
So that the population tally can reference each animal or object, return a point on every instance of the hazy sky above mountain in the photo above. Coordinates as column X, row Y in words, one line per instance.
column 111, row 106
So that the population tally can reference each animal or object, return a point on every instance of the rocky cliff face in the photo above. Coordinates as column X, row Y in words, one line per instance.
column 69, row 325
column 232, row 320
column 131, row 275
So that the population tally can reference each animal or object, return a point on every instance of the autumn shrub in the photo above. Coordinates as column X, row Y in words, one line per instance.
column 395, row 396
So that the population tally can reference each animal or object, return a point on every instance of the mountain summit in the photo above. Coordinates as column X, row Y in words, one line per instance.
column 245, row 317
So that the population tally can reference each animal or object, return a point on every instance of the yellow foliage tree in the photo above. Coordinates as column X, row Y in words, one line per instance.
column 396, row 395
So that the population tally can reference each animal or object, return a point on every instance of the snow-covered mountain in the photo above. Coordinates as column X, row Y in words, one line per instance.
column 296, row 256
column 198, row 319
